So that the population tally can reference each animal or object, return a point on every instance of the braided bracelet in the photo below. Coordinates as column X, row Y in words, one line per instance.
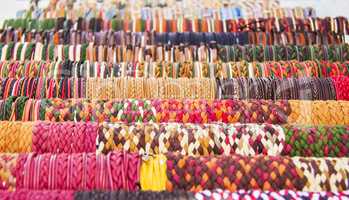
column 144, row 195
column 88, row 171
column 316, row 141
column 153, row 173
column 318, row 112
column 8, row 163
column 16, row 137
column 64, row 137
column 147, row 195
column 265, row 195
column 269, row 173
column 39, row 195
column 342, row 87
column 192, row 139
column 185, row 111
column 188, row 139
column 7, row 109
column 114, row 171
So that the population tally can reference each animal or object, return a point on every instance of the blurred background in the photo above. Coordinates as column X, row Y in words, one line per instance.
column 323, row 7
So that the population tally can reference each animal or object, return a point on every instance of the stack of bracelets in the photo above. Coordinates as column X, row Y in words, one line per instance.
column 152, row 103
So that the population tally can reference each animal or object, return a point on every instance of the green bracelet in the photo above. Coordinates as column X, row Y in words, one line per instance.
column 66, row 52
column 20, row 106
column 51, row 52
column 29, row 50
column 8, row 107
column 10, row 47
column 1, row 46
column 44, row 54
column 83, row 52
column 19, row 51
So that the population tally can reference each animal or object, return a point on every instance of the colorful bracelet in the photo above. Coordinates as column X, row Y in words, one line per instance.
column 262, row 172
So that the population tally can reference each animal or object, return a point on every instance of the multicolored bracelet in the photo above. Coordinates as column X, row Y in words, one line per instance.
column 268, row 195
column 187, row 139
column 262, row 172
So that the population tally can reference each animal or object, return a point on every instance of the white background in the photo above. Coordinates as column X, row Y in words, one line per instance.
column 8, row 8
column 323, row 8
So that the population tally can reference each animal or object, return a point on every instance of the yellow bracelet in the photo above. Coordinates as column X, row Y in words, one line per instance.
column 16, row 137
column 153, row 173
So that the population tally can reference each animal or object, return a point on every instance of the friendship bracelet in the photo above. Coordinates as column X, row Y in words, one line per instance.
column 8, row 163
column 64, row 137
column 190, row 53
column 53, row 168
column 303, row 88
column 194, row 111
column 153, row 173
column 281, row 88
column 186, row 111
column 16, row 137
column 270, row 173
column 196, row 25
column 204, row 195
column 341, row 85
column 35, row 88
column 136, row 88
column 255, row 194
column 191, row 139
column 188, row 139
column 317, row 112
column 40, row 195
column 217, row 139
column 226, row 172
column 123, row 195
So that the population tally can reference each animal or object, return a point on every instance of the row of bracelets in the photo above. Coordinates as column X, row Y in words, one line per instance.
column 338, row 25
column 187, row 139
column 209, row 52
column 170, row 172
column 182, row 111
column 150, row 195
column 335, row 88
column 176, row 38
column 221, row 70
